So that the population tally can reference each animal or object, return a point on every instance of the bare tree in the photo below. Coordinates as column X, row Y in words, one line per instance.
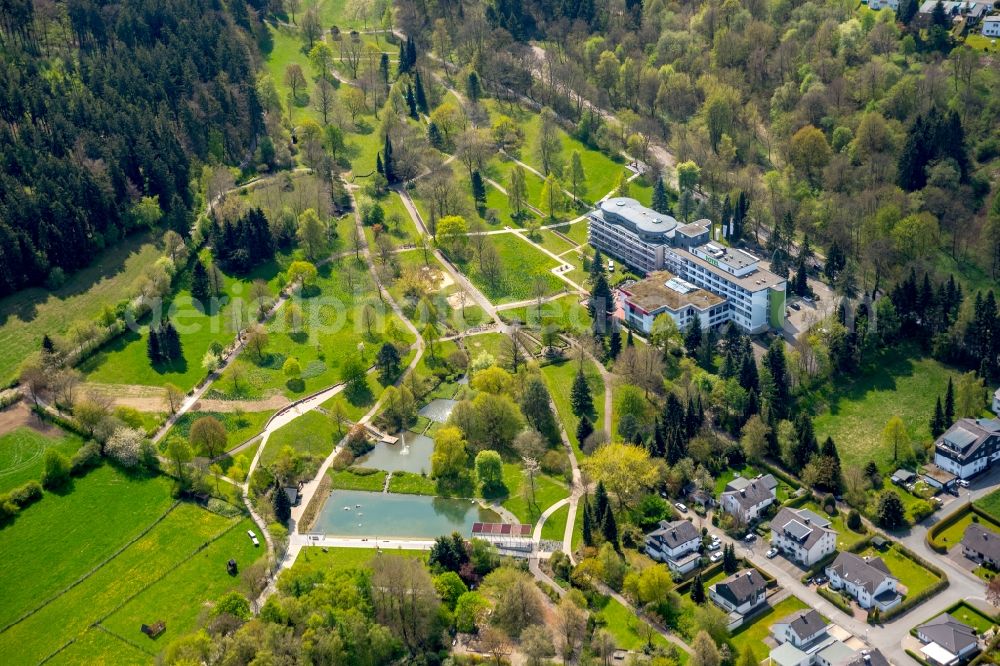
column 404, row 598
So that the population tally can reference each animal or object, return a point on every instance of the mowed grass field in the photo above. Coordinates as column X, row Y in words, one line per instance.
column 313, row 433
column 131, row 582
column 914, row 576
column 521, row 264
column 22, row 450
column 240, row 426
column 897, row 383
column 548, row 491
column 31, row 313
column 559, row 379
column 753, row 634
column 348, row 558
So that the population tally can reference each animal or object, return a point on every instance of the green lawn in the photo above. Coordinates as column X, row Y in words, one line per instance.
column 408, row 483
column 952, row 534
column 753, row 634
column 565, row 313
column 629, row 632
column 240, row 426
column 354, row 406
column 97, row 647
column 169, row 544
column 967, row 614
column 332, row 332
column 312, row 434
column 521, row 264
column 103, row 512
column 31, row 313
column 846, row 537
column 559, row 378
column 555, row 525
column 348, row 480
column 991, row 504
column 203, row 577
column 913, row 576
column 548, row 491
column 348, row 558
column 22, row 451
column 125, row 360
column 898, row 382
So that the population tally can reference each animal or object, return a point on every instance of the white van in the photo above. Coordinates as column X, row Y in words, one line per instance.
column 611, row 266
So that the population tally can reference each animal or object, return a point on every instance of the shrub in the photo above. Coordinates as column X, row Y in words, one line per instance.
column 342, row 460
column 125, row 447
column 854, row 520
column 920, row 510
column 26, row 494
column 554, row 463
column 8, row 509
column 55, row 470
column 86, row 458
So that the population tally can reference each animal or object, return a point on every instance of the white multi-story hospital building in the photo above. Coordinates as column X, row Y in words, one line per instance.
column 752, row 297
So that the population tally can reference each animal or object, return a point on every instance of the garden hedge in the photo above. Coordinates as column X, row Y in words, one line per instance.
column 931, row 538
column 836, row 599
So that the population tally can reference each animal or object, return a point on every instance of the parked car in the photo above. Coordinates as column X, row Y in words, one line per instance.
column 715, row 545
column 750, row 537
column 715, row 557
column 963, row 483
column 820, row 580
column 771, row 554
column 807, row 299
column 796, row 306
column 715, row 538
column 680, row 507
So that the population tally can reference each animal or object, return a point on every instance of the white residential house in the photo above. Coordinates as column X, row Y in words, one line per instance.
column 947, row 641
column 804, row 640
column 740, row 594
column 969, row 446
column 991, row 28
column 746, row 499
column 879, row 4
column 996, row 394
column 802, row 536
column 801, row 628
column 869, row 581
column 675, row 544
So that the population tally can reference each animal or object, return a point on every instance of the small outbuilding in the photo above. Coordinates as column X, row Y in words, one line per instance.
column 903, row 477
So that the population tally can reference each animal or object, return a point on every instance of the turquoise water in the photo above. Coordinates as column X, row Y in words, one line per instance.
column 394, row 515
column 411, row 454
column 438, row 409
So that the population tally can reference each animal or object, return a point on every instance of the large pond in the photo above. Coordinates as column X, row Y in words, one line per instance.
column 360, row 513
column 411, row 454
column 438, row 409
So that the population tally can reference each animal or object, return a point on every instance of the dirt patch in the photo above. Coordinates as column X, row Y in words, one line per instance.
column 19, row 416
column 273, row 403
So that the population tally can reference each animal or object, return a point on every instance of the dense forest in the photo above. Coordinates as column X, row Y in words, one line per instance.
column 105, row 107
column 873, row 132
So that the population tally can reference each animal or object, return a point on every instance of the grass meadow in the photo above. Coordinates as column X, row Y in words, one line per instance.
column 559, row 378
column 521, row 265
column 22, row 450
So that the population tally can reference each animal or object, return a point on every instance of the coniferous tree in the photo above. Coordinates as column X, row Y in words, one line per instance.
column 602, row 504
column 658, row 444
column 661, row 202
column 692, row 336
column 580, row 398
column 419, row 95
column 698, row 589
column 411, row 102
column 937, row 421
column 584, row 429
column 282, row 506
column 949, row 404
column 536, row 405
column 388, row 163
column 601, row 303
column 614, row 343
column 199, row 284
column 378, row 164
column 434, row 137
column 805, row 446
column 588, row 523
column 478, row 188
column 153, row 346
column 609, row 528
column 597, row 265
column 629, row 339
column 48, row 347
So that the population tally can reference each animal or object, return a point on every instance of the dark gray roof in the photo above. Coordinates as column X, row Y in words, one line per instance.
column 964, row 439
column 803, row 525
column 755, row 492
column 676, row 533
column 949, row 633
column 903, row 475
column 867, row 573
column 741, row 587
column 983, row 541
column 866, row 658
column 805, row 623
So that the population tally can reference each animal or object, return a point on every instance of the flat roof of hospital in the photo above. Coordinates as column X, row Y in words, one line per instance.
column 653, row 293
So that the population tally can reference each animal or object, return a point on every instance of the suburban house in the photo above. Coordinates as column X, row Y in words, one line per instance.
column 879, row 4
column 868, row 580
column 804, row 640
column 675, row 544
column 968, row 447
column 802, row 536
column 946, row 640
column 981, row 545
column 739, row 595
column 972, row 11
column 903, row 477
column 801, row 628
column 991, row 28
column 746, row 499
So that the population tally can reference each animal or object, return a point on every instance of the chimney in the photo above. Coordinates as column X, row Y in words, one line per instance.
column 743, row 492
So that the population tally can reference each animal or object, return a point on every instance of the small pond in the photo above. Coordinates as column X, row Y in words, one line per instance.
column 438, row 409
column 411, row 454
column 393, row 515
